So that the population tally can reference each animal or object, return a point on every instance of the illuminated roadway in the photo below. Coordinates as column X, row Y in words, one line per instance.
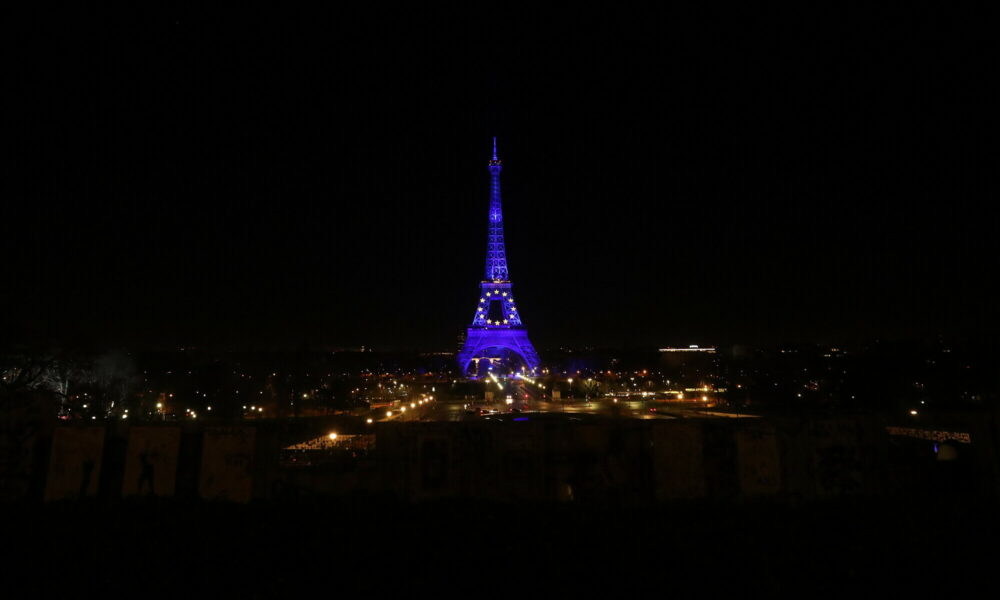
column 527, row 400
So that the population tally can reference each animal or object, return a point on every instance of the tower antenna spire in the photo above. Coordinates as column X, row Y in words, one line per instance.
column 494, row 147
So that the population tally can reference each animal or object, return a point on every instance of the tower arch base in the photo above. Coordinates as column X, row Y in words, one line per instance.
column 492, row 343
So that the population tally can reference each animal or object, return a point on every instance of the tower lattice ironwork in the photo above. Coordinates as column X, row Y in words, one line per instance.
column 496, row 326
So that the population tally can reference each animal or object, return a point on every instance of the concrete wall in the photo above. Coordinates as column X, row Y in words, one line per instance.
column 613, row 461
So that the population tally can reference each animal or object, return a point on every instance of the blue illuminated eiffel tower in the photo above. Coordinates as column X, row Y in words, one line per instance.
column 496, row 331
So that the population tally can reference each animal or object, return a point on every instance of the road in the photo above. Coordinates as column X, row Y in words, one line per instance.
column 527, row 399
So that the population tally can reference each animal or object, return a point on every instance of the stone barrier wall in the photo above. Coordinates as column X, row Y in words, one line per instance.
column 539, row 459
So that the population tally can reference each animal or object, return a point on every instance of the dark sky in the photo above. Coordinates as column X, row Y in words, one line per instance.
column 673, row 177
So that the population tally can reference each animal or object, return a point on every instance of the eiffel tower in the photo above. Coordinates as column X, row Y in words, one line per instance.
column 497, row 334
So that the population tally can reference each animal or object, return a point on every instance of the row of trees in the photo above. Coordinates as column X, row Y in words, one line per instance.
column 69, row 382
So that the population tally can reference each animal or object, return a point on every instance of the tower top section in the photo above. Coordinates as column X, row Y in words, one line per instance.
column 496, row 252
column 495, row 162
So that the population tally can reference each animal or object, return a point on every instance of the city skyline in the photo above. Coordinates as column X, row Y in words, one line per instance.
column 244, row 311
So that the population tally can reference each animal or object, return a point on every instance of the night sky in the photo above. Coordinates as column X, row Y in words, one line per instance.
column 669, row 178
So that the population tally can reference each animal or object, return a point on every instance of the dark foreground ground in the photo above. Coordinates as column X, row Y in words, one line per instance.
column 373, row 546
